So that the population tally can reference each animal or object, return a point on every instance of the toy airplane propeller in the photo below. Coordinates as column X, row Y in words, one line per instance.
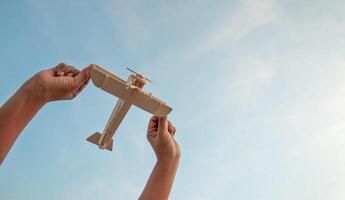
column 129, row 93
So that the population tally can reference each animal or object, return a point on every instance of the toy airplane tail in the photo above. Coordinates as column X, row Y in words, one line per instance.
column 95, row 140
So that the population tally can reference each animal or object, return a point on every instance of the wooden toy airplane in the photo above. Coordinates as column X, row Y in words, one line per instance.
column 129, row 93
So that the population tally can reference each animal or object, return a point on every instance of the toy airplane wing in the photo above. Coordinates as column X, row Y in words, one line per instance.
column 129, row 93
column 125, row 91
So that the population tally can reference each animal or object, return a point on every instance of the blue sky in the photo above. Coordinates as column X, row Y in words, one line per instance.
column 256, row 86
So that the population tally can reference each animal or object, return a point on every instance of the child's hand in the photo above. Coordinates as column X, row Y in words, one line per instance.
column 62, row 82
column 160, row 134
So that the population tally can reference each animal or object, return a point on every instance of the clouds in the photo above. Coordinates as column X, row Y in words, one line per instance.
column 292, row 133
column 311, row 121
column 247, row 16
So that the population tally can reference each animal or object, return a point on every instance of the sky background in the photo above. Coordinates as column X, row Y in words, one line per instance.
column 257, row 88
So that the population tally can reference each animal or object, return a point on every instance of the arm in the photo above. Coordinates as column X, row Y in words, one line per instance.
column 61, row 82
column 161, row 137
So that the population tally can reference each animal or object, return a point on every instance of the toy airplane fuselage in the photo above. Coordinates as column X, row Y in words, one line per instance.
column 129, row 93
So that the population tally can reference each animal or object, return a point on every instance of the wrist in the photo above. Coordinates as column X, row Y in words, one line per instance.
column 35, row 91
column 167, row 165
column 169, row 161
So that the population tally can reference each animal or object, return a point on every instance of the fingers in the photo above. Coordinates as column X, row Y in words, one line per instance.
column 83, row 76
column 153, row 123
column 162, row 124
column 60, row 73
column 60, row 69
column 152, row 128
column 171, row 128
column 81, row 80
column 82, row 86
column 63, row 69
column 72, row 72
column 76, row 92
column 78, row 79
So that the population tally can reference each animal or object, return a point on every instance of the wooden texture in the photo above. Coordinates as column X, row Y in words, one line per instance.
column 129, row 93
column 118, row 87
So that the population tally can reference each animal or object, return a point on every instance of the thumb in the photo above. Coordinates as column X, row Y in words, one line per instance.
column 83, row 76
column 162, row 125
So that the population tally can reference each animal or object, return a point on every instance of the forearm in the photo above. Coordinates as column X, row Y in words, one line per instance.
column 161, row 180
column 17, row 112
